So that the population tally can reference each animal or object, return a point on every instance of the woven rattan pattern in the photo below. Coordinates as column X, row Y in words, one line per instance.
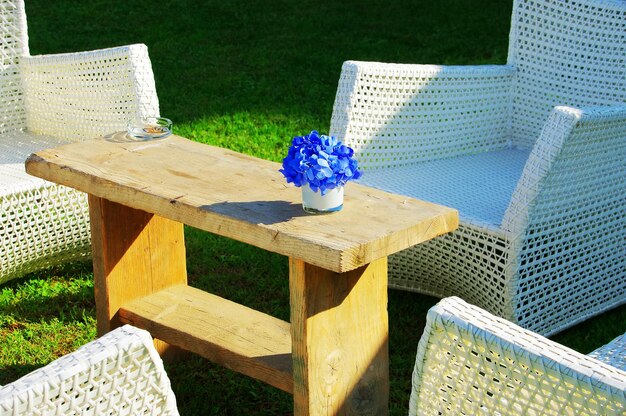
column 565, row 53
column 46, row 101
column 613, row 353
column 14, row 44
column 542, row 242
column 471, row 362
column 118, row 374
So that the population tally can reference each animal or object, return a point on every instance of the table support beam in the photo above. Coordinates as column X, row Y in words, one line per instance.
column 339, row 332
column 231, row 335
column 135, row 253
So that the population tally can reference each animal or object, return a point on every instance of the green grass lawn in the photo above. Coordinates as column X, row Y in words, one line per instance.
column 249, row 75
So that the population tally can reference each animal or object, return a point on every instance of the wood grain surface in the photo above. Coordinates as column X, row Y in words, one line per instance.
column 229, row 334
column 242, row 197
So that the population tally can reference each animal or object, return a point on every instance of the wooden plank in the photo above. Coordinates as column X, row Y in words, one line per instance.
column 340, row 340
column 135, row 253
column 243, row 198
column 225, row 332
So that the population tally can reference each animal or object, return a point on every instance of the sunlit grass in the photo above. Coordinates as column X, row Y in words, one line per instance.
column 260, row 135
column 44, row 316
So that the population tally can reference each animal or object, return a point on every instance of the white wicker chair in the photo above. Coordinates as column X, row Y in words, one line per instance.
column 45, row 101
column 532, row 154
column 120, row 373
column 474, row 363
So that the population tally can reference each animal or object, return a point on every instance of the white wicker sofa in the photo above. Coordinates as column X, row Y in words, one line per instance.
column 46, row 101
column 531, row 153
column 120, row 373
column 473, row 363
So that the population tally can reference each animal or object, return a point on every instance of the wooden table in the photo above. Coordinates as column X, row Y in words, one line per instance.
column 333, row 356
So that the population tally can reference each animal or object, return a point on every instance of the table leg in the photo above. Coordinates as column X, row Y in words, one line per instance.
column 339, row 332
column 135, row 253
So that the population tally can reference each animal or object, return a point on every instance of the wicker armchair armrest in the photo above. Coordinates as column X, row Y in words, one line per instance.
column 579, row 151
column 82, row 95
column 472, row 362
column 398, row 114
column 119, row 373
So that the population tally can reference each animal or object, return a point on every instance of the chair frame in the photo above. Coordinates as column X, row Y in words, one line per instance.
column 45, row 101
column 472, row 362
column 557, row 255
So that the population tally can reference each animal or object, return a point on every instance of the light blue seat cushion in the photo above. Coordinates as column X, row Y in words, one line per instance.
column 479, row 186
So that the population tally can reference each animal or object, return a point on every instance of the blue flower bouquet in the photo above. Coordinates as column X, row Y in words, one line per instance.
column 321, row 165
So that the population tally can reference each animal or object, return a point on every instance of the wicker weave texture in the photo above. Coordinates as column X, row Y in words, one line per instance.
column 83, row 95
column 471, row 362
column 433, row 268
column 569, row 213
column 46, row 101
column 613, row 353
column 41, row 223
column 542, row 239
column 393, row 115
column 482, row 183
column 565, row 53
column 14, row 32
column 118, row 374
column 56, row 230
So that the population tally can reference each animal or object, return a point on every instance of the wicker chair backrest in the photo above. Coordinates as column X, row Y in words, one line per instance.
column 566, row 53
column 14, row 44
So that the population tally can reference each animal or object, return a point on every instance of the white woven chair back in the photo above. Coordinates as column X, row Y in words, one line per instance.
column 84, row 95
column 73, row 96
column 381, row 113
column 14, row 44
column 45, row 101
column 566, row 53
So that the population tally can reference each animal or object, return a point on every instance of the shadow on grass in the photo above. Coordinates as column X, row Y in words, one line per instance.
column 13, row 372
column 64, row 307
column 38, row 299
column 272, row 57
column 204, row 388
column 44, row 315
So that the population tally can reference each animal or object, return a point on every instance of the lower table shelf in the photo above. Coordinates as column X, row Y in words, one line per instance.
column 227, row 333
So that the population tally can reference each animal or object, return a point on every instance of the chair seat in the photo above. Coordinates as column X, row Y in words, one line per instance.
column 15, row 147
column 479, row 186
column 613, row 353
column 42, row 224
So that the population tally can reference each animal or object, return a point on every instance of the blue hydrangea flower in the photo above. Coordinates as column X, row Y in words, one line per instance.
column 321, row 161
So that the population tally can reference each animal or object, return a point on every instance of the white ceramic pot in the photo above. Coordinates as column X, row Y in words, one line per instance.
column 316, row 203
